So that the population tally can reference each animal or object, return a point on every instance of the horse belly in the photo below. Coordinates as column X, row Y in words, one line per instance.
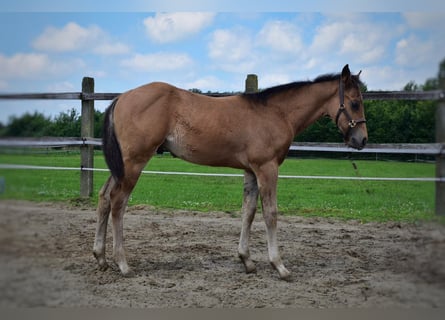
column 200, row 150
column 177, row 145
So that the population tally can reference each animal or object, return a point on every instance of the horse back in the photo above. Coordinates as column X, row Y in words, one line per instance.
column 217, row 131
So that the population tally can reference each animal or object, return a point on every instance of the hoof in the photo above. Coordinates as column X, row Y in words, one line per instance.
column 286, row 276
column 103, row 266
column 282, row 271
column 126, row 271
column 129, row 274
column 248, row 265
column 102, row 263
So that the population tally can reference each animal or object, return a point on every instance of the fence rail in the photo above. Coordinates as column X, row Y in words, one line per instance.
column 87, row 143
column 208, row 174
column 370, row 95
column 406, row 148
column 50, row 142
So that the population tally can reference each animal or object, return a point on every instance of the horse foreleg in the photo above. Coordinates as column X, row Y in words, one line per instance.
column 267, row 182
column 103, row 212
column 250, row 200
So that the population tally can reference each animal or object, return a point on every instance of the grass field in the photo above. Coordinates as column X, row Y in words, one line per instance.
column 344, row 199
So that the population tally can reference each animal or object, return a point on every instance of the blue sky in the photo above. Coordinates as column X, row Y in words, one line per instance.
column 50, row 47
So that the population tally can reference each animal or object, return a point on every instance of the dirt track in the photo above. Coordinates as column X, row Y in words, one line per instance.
column 186, row 259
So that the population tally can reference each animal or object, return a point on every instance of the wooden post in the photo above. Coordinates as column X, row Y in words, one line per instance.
column 440, row 138
column 440, row 159
column 251, row 83
column 87, row 131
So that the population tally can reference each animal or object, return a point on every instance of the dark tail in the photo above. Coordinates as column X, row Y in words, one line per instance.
column 110, row 145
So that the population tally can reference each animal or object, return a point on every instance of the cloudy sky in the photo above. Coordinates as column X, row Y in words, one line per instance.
column 47, row 48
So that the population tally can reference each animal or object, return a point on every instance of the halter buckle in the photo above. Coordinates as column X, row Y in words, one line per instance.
column 352, row 123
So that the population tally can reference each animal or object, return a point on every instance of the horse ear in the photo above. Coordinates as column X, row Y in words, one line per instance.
column 345, row 74
column 358, row 74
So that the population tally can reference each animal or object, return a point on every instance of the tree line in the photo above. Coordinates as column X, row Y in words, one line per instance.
column 66, row 124
column 387, row 121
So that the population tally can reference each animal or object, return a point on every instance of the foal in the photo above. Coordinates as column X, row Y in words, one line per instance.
column 251, row 132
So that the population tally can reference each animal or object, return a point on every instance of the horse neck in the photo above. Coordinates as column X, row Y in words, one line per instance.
column 305, row 105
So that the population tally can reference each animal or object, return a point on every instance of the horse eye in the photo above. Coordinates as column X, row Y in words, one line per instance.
column 355, row 105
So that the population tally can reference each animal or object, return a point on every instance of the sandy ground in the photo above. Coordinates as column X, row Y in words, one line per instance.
column 189, row 259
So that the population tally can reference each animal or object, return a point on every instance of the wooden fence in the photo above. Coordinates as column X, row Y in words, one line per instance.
column 87, row 142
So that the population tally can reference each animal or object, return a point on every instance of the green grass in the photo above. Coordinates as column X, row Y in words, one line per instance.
column 344, row 199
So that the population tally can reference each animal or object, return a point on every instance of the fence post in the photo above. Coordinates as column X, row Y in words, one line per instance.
column 87, row 131
column 440, row 138
column 251, row 83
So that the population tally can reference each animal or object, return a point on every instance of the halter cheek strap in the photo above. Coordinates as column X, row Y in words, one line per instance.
column 342, row 109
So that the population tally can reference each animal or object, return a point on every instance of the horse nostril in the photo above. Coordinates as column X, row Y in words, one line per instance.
column 365, row 140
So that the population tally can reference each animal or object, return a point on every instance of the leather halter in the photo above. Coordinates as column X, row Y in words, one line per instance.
column 342, row 109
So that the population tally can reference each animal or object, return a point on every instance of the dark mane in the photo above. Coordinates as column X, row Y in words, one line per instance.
column 264, row 95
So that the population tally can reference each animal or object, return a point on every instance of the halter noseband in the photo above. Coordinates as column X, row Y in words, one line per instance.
column 342, row 109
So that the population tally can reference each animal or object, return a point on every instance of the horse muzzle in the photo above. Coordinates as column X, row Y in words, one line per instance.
column 357, row 139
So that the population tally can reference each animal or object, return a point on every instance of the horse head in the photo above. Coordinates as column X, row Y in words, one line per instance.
column 350, row 116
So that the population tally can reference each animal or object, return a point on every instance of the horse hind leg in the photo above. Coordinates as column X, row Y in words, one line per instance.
column 103, row 213
column 250, row 200
column 119, row 199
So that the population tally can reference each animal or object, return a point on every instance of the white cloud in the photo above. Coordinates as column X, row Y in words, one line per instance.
column 156, row 62
column 108, row 48
column 23, row 65
column 230, row 45
column 353, row 39
column 273, row 79
column 413, row 51
column 425, row 20
column 382, row 78
column 423, row 45
column 311, row 63
column 278, row 53
column 363, row 43
column 232, row 50
column 73, row 37
column 363, row 40
column 169, row 27
column 327, row 37
column 280, row 36
column 37, row 66
column 392, row 77
column 69, row 38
